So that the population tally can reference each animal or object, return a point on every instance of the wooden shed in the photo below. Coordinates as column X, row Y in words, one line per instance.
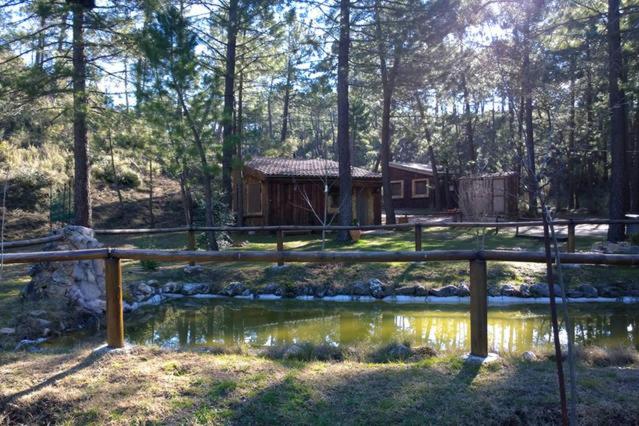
column 284, row 191
column 413, row 187
column 489, row 196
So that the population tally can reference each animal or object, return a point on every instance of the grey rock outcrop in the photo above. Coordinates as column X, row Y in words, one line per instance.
column 78, row 283
column 236, row 289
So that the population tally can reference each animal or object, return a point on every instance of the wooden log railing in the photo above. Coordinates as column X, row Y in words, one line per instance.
column 477, row 263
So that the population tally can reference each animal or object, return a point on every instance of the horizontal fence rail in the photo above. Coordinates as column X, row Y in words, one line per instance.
column 477, row 264
column 318, row 256
column 31, row 242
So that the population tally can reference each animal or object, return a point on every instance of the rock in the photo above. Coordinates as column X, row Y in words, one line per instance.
column 193, row 269
column 407, row 290
column 320, row 291
column 360, row 289
column 612, row 292
column 509, row 290
column 529, row 356
column 377, row 288
column 272, row 288
column 494, row 291
column 446, row 291
column 140, row 291
column 294, row 351
column 79, row 284
column 189, row 289
column 7, row 331
column 399, row 351
column 235, row 289
column 541, row 290
column 171, row 287
column 421, row 291
column 524, row 289
column 463, row 290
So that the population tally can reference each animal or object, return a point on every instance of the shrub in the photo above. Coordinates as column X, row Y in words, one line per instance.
column 149, row 264
column 126, row 176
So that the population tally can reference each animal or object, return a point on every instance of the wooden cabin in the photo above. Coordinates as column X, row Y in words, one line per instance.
column 285, row 191
column 413, row 187
column 489, row 196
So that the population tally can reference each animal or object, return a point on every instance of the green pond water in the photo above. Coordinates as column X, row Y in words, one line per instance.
column 201, row 322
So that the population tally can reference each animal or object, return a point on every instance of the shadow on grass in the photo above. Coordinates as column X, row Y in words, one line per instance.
column 83, row 364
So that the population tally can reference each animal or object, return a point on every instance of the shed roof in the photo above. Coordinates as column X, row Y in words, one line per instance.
column 413, row 167
column 293, row 167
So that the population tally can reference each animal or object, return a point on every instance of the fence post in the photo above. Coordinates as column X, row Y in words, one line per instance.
column 478, row 309
column 114, row 312
column 280, row 244
column 418, row 237
column 571, row 237
column 190, row 243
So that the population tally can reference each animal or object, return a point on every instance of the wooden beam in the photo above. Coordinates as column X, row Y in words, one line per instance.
column 478, row 308
column 418, row 237
column 32, row 242
column 114, row 309
column 190, row 243
column 280, row 246
column 570, row 246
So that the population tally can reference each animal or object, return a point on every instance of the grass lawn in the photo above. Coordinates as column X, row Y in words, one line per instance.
column 149, row 385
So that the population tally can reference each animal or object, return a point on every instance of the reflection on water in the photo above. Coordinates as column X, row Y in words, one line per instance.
column 259, row 323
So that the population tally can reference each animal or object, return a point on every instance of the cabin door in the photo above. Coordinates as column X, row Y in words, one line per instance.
column 362, row 206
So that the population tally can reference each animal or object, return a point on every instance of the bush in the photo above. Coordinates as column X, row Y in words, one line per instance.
column 126, row 177
column 149, row 264
column 27, row 191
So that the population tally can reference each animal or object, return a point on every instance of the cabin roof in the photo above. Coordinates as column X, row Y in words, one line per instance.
column 490, row 175
column 413, row 167
column 294, row 167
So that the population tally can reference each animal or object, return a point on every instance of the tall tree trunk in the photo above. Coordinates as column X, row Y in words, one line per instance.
column 239, row 166
column 345, row 178
column 528, row 120
column 227, row 114
column 81, row 193
column 207, row 178
column 287, row 96
column 616, row 232
column 269, row 109
column 471, row 153
column 387, row 97
column 151, row 214
column 437, row 189
column 572, row 193
column 116, row 178
column 634, row 170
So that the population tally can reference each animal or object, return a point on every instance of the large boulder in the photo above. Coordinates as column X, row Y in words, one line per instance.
column 79, row 284
column 236, row 289
column 189, row 289
column 509, row 290
column 612, row 292
column 360, row 288
column 272, row 288
column 140, row 291
column 446, row 291
column 377, row 288
column 542, row 290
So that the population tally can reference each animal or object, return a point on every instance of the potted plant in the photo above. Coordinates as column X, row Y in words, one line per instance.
column 355, row 233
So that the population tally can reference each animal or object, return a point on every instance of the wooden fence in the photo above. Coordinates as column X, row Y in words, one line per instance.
column 477, row 265
column 281, row 230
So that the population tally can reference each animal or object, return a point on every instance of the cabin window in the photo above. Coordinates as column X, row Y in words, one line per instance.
column 421, row 188
column 254, row 198
column 397, row 188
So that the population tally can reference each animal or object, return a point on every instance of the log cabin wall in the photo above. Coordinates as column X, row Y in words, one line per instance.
column 407, row 200
column 285, row 201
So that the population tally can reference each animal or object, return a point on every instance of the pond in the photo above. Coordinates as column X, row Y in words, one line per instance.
column 201, row 322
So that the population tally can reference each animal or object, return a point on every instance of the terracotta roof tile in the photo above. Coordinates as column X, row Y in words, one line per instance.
column 293, row 167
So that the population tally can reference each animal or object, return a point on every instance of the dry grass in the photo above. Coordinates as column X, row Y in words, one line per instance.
column 147, row 385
